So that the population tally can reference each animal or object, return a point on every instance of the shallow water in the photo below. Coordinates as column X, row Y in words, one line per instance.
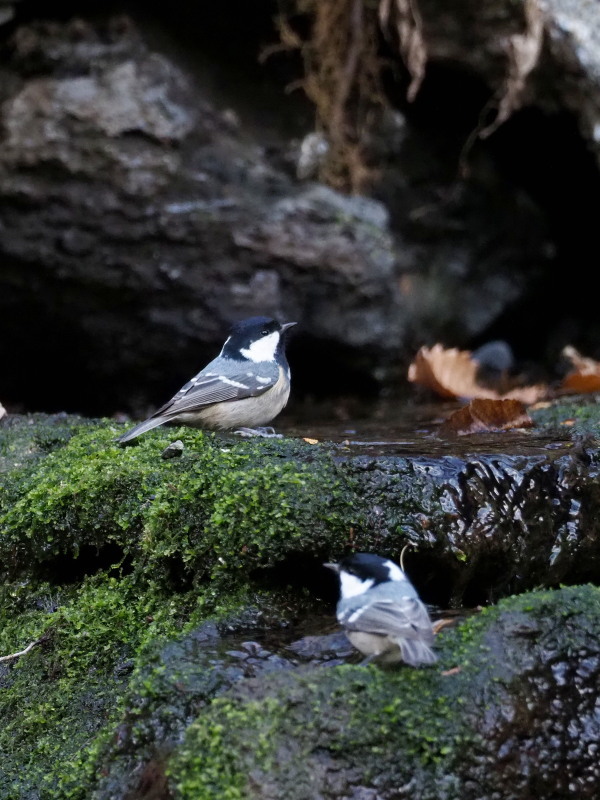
column 412, row 430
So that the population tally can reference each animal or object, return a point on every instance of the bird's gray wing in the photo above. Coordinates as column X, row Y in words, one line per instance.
column 405, row 617
column 216, row 387
column 219, row 382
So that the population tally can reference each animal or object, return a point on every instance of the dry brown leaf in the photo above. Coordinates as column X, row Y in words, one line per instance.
column 452, row 374
column 581, row 364
column 581, row 384
column 407, row 18
column 447, row 372
column 310, row 441
column 439, row 624
column 585, row 375
column 483, row 416
column 524, row 51
column 453, row 671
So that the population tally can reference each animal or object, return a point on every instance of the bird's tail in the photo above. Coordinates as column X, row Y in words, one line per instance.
column 415, row 652
column 147, row 425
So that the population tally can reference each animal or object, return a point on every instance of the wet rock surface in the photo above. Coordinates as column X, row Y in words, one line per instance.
column 141, row 215
column 481, row 523
column 545, row 719
column 563, row 33
column 186, row 675
column 184, row 626
column 514, row 708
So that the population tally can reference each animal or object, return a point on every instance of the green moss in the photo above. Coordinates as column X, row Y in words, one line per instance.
column 86, row 493
column 68, row 493
column 24, row 440
column 570, row 416
column 241, row 509
column 60, row 702
column 222, row 507
column 399, row 726
column 184, row 534
column 55, row 699
column 210, row 765
column 390, row 723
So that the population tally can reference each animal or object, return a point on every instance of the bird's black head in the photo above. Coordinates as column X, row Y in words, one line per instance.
column 368, row 566
column 256, row 339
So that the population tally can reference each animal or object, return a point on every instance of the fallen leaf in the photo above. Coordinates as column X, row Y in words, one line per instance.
column 482, row 416
column 310, row 441
column 523, row 52
column 541, row 405
column 409, row 28
column 585, row 375
column 452, row 373
column 453, row 671
column 442, row 370
column 581, row 364
column 581, row 384
column 442, row 623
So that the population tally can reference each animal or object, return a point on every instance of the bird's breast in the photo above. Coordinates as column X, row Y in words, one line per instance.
column 249, row 412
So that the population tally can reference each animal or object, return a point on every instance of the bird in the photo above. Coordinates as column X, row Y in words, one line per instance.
column 244, row 387
column 381, row 612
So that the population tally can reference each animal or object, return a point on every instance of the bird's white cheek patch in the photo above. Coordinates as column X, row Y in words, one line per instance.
column 351, row 585
column 263, row 349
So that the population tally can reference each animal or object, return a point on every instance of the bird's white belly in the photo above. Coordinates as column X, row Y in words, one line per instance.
column 384, row 649
column 247, row 413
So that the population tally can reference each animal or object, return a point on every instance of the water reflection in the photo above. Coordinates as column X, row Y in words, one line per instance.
column 405, row 430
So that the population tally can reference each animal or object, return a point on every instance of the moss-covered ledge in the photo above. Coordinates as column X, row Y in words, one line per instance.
column 134, row 575
column 509, row 713
column 483, row 524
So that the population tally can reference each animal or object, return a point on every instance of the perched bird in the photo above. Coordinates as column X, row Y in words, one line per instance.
column 244, row 387
column 381, row 613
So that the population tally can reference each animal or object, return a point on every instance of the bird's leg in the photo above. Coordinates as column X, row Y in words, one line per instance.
column 265, row 433
column 368, row 660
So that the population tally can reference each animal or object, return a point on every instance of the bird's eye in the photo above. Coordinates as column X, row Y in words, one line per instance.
column 264, row 333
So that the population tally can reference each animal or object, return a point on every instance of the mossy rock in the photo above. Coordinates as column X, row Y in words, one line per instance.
column 223, row 507
column 515, row 685
column 114, row 560
column 509, row 713
column 98, row 642
column 482, row 524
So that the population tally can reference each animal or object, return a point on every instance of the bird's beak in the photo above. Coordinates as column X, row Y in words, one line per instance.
column 287, row 325
column 334, row 567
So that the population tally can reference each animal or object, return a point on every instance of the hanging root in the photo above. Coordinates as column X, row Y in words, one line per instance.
column 342, row 78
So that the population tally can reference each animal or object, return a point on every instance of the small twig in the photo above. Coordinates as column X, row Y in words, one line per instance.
column 404, row 549
column 21, row 652
column 442, row 623
column 453, row 671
